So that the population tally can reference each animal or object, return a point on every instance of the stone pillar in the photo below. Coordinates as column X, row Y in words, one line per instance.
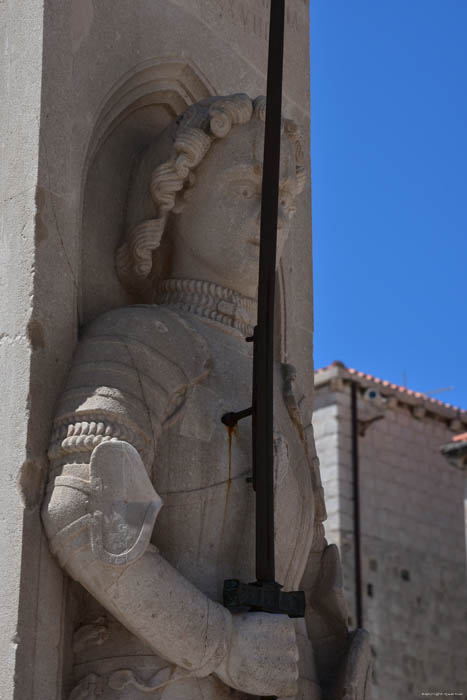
column 85, row 85
column 32, row 585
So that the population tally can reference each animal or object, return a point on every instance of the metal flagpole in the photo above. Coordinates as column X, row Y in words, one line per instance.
column 265, row 594
column 263, row 383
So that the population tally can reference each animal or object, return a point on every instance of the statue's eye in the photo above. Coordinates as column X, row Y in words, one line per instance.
column 247, row 190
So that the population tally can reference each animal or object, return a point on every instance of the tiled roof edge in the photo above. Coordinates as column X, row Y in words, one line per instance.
column 338, row 370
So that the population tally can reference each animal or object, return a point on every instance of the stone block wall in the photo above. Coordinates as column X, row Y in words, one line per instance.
column 412, row 539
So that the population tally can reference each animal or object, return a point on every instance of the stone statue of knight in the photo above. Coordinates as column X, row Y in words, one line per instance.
column 149, row 504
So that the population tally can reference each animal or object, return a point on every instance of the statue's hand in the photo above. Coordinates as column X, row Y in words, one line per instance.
column 263, row 655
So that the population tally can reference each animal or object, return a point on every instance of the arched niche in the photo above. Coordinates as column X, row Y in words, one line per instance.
column 138, row 108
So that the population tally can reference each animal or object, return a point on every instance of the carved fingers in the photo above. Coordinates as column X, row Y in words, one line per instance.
column 263, row 658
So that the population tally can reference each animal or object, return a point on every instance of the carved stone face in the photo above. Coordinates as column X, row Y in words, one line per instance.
column 217, row 233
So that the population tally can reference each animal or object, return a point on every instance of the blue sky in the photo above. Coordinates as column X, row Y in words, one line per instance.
column 389, row 159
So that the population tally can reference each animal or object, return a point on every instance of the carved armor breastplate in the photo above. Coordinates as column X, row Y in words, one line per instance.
column 161, row 379
column 202, row 471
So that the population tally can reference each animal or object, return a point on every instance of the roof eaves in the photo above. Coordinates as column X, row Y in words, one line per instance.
column 338, row 371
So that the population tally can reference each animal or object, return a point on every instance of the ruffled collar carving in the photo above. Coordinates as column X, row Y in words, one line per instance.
column 209, row 300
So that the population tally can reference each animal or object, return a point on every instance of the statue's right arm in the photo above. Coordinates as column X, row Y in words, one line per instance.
column 101, row 507
column 99, row 529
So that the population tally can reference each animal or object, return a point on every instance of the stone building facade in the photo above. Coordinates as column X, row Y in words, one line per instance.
column 411, row 520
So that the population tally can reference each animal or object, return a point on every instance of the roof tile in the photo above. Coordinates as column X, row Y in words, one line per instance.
column 396, row 387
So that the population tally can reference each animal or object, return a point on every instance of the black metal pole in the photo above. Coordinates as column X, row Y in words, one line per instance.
column 263, row 370
column 356, row 502
column 265, row 594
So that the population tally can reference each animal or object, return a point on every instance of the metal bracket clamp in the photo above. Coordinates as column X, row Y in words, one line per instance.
column 231, row 419
column 264, row 597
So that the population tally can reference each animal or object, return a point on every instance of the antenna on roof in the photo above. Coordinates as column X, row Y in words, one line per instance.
column 438, row 391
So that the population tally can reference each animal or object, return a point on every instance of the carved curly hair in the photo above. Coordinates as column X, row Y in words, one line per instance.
column 196, row 129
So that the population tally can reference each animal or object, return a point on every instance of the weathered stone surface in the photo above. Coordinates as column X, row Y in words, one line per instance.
column 29, row 579
column 137, row 376
column 90, row 85
column 131, row 409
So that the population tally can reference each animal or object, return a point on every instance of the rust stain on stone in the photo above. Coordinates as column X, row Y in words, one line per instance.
column 230, row 432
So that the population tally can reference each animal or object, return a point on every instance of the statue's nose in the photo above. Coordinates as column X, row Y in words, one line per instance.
column 282, row 218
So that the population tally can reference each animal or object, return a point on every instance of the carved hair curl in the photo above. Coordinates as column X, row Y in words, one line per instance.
column 197, row 128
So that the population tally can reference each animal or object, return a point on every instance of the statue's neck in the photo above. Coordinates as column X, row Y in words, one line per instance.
column 209, row 300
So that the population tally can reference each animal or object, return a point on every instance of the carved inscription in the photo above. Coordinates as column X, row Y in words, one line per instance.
column 251, row 18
